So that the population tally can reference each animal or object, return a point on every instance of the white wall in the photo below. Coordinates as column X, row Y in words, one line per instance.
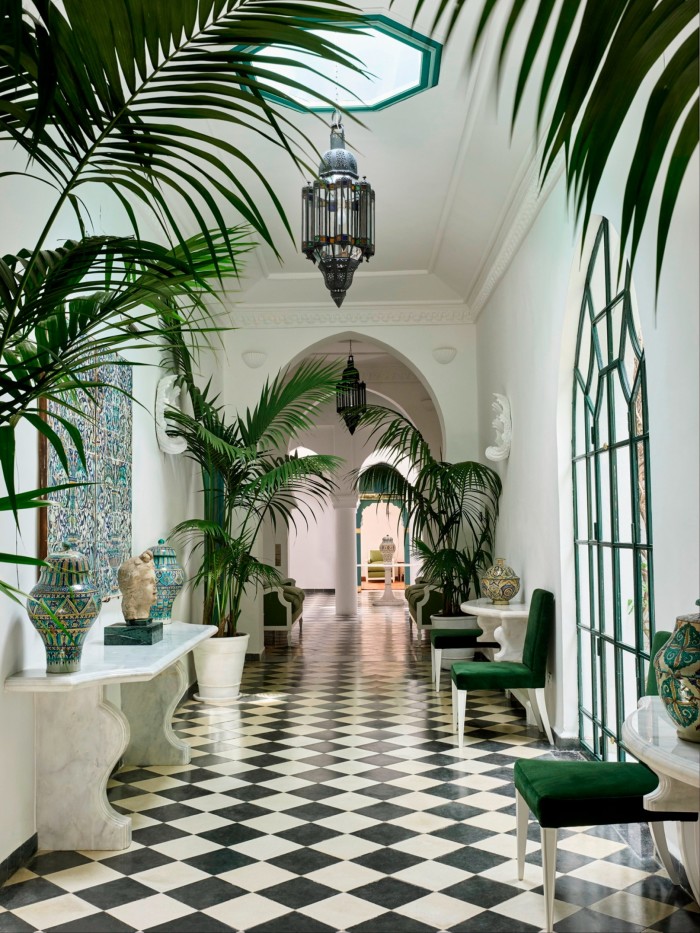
column 525, row 338
column 452, row 387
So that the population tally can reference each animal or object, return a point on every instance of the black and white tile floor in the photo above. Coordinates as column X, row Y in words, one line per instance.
column 332, row 798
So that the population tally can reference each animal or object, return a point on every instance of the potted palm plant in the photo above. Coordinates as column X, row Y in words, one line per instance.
column 247, row 478
column 451, row 508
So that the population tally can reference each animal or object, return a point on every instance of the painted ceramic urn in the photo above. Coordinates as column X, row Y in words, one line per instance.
column 500, row 583
column 62, row 606
column 170, row 578
column 388, row 549
column 677, row 667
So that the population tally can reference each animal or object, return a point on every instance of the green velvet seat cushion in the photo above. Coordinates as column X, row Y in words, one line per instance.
column 454, row 637
column 492, row 675
column 376, row 556
column 583, row 793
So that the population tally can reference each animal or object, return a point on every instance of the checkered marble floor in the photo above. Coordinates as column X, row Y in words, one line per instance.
column 332, row 797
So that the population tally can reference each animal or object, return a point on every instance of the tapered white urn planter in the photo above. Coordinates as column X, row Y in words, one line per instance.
column 219, row 664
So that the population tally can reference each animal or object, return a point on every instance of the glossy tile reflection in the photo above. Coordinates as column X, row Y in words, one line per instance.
column 333, row 797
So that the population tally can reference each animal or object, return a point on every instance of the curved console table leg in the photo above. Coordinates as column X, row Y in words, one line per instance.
column 510, row 634
column 80, row 738
column 149, row 707
column 689, row 834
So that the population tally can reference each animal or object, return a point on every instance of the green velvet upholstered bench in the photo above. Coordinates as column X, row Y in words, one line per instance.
column 586, row 793
column 443, row 638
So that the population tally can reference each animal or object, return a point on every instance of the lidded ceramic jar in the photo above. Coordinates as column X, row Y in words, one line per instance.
column 500, row 583
column 170, row 578
column 388, row 549
column 62, row 607
column 677, row 667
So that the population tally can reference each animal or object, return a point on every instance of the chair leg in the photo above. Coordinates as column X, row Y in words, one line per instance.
column 289, row 637
column 658, row 834
column 549, row 874
column 454, row 706
column 521, row 819
column 438, row 667
column 461, row 714
column 542, row 710
column 301, row 625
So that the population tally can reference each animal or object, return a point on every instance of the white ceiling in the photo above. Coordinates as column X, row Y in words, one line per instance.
column 450, row 184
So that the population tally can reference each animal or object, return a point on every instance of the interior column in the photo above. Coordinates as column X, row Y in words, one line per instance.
column 345, row 506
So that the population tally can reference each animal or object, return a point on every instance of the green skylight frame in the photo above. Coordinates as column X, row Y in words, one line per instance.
column 431, row 58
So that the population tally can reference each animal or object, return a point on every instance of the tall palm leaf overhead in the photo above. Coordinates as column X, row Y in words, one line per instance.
column 144, row 96
column 608, row 49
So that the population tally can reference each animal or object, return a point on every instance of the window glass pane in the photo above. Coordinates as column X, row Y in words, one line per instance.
column 621, row 412
column 584, row 351
column 606, row 606
column 641, row 492
column 643, row 558
column 630, row 695
column 611, row 686
column 602, row 517
column 624, row 496
column 586, row 674
column 583, row 583
column 616, row 324
column 628, row 625
column 582, row 530
column 602, row 435
column 598, row 288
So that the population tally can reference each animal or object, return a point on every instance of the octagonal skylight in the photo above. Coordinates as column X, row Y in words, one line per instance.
column 399, row 62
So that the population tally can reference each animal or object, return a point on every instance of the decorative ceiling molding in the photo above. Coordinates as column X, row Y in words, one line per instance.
column 361, row 314
column 519, row 217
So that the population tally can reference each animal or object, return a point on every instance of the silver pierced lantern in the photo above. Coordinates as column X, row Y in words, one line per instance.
column 338, row 216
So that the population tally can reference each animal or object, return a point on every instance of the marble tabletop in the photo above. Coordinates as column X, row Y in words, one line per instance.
column 486, row 607
column 103, row 664
column 650, row 736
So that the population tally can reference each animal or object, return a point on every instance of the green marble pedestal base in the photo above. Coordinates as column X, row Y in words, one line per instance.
column 146, row 634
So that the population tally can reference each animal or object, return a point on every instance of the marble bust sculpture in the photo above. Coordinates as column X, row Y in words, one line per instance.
column 167, row 396
column 503, row 427
column 137, row 582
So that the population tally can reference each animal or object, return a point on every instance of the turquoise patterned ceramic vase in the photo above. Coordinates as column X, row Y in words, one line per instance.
column 62, row 606
column 677, row 668
column 170, row 578
column 500, row 583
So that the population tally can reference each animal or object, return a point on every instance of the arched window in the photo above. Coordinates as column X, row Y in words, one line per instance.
column 612, row 508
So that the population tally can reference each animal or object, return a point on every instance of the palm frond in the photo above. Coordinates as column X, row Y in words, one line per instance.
column 607, row 51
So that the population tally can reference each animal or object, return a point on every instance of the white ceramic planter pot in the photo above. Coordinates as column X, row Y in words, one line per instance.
column 450, row 655
column 219, row 666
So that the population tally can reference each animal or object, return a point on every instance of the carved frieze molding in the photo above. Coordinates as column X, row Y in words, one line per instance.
column 360, row 315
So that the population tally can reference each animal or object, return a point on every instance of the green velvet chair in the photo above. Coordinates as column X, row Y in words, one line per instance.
column 282, row 607
column 528, row 674
column 446, row 638
column 587, row 793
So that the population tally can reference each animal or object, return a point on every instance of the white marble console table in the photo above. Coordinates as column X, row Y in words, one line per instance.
column 651, row 737
column 504, row 624
column 80, row 735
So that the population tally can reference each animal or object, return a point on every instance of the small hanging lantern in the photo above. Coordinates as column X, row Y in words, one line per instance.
column 350, row 395
column 338, row 216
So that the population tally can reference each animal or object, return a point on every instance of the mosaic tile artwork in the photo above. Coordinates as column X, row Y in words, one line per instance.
column 333, row 797
column 97, row 519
